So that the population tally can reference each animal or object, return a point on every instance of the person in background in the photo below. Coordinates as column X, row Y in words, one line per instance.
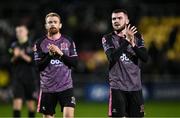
column 24, row 74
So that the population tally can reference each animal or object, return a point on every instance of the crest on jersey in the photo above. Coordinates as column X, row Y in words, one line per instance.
column 64, row 46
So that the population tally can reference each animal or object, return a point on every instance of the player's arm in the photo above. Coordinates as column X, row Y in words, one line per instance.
column 14, row 51
column 113, row 54
column 26, row 57
column 140, row 49
column 41, row 59
column 141, row 53
column 15, row 54
column 137, row 42
column 71, row 60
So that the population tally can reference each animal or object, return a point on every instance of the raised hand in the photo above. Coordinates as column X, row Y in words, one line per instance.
column 53, row 49
column 130, row 31
column 16, row 52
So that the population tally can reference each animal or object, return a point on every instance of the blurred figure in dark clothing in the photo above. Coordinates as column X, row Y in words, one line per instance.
column 24, row 73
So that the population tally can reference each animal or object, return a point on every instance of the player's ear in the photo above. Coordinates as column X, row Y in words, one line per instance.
column 45, row 25
column 27, row 31
column 127, row 21
column 60, row 25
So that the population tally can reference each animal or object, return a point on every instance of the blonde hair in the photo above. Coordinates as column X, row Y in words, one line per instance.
column 52, row 14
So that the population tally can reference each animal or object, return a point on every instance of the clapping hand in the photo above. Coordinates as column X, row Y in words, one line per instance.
column 130, row 31
column 53, row 49
column 20, row 53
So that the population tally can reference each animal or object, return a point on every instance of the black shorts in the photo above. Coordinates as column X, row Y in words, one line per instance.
column 126, row 103
column 47, row 101
column 24, row 89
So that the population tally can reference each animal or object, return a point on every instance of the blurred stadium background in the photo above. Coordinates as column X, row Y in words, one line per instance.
column 86, row 21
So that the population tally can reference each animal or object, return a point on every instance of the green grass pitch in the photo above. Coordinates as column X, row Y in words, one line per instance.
column 94, row 109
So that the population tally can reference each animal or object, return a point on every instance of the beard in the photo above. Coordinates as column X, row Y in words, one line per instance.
column 119, row 28
column 53, row 30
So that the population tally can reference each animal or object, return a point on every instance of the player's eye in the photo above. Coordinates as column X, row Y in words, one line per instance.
column 49, row 22
column 113, row 18
column 119, row 18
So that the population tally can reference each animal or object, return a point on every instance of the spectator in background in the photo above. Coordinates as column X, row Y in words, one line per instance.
column 24, row 73
column 125, row 49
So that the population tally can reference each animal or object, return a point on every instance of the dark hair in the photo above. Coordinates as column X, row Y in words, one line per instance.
column 20, row 24
column 120, row 10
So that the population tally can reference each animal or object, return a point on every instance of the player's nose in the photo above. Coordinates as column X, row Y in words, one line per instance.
column 52, row 25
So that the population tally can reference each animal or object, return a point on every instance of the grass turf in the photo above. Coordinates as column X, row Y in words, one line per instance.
column 92, row 109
